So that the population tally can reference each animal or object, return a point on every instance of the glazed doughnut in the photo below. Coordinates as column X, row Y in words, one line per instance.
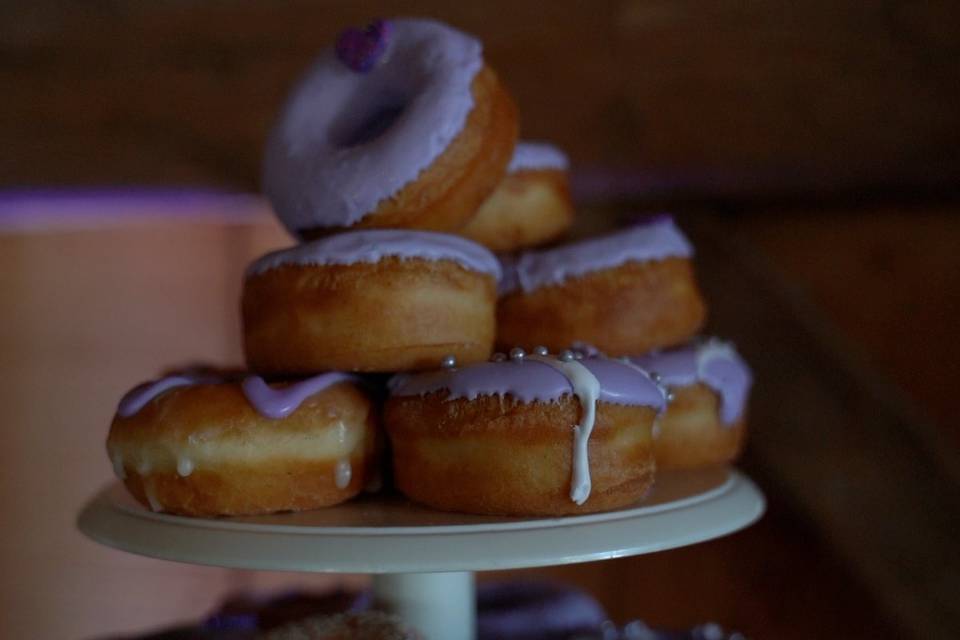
column 374, row 300
column 626, row 293
column 706, row 421
column 367, row 625
column 530, row 207
column 199, row 446
column 527, row 610
column 511, row 437
column 401, row 125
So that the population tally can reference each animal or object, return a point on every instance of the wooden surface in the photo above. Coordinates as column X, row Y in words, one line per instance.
column 93, row 311
column 703, row 97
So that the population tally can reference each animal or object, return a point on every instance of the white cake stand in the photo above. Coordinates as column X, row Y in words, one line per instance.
column 422, row 560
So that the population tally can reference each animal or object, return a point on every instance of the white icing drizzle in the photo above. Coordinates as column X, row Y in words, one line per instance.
column 144, row 466
column 118, row 469
column 343, row 473
column 587, row 389
column 151, row 496
column 185, row 466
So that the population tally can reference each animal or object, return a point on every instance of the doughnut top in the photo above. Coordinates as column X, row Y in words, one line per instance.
column 374, row 245
column 346, row 140
column 270, row 402
column 529, row 380
column 657, row 239
column 528, row 155
column 712, row 362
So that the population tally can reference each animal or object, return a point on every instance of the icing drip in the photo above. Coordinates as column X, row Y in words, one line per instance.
column 587, row 389
column 281, row 402
column 152, row 500
column 371, row 246
column 656, row 240
column 140, row 396
column 144, row 467
column 532, row 156
column 185, row 467
column 118, row 469
column 343, row 473
column 712, row 362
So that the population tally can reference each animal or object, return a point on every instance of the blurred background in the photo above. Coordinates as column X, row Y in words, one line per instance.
column 810, row 150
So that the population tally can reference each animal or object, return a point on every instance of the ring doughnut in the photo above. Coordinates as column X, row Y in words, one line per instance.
column 531, row 206
column 402, row 126
column 374, row 300
column 197, row 445
column 511, row 437
column 625, row 293
column 536, row 610
column 706, row 421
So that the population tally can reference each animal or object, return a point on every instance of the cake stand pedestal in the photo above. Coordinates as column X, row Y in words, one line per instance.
column 423, row 560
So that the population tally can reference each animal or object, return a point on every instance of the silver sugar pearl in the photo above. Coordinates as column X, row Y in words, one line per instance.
column 670, row 396
column 578, row 355
column 498, row 357
column 517, row 353
column 565, row 356
column 449, row 362
column 541, row 350
column 656, row 377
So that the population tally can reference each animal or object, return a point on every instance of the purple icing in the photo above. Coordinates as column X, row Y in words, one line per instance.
column 532, row 381
column 712, row 362
column 141, row 395
column 535, row 611
column 529, row 155
column 281, row 402
column 268, row 402
column 375, row 244
column 360, row 49
column 346, row 141
column 656, row 240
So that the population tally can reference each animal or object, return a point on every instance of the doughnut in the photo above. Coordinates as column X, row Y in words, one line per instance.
column 367, row 625
column 372, row 300
column 706, row 421
column 400, row 125
column 532, row 435
column 197, row 445
column 625, row 293
column 530, row 207
column 536, row 610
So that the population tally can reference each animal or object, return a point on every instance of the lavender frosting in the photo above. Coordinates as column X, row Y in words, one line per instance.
column 657, row 239
column 270, row 402
column 712, row 362
column 529, row 155
column 376, row 244
column 345, row 141
column 532, row 381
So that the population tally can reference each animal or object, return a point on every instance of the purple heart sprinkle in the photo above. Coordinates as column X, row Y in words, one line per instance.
column 360, row 49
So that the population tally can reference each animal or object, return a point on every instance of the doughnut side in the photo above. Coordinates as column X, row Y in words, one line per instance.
column 204, row 451
column 633, row 308
column 392, row 315
column 529, row 208
column 449, row 192
column 495, row 455
column 691, row 433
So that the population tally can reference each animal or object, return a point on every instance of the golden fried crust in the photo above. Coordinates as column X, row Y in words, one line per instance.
column 393, row 315
column 529, row 208
column 691, row 433
column 495, row 455
column 243, row 463
column 449, row 192
column 633, row 308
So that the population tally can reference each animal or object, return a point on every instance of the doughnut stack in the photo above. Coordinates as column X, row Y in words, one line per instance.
column 547, row 378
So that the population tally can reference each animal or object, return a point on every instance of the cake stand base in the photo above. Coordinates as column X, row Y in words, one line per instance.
column 440, row 605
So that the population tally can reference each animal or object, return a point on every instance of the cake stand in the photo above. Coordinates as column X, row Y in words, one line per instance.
column 423, row 560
